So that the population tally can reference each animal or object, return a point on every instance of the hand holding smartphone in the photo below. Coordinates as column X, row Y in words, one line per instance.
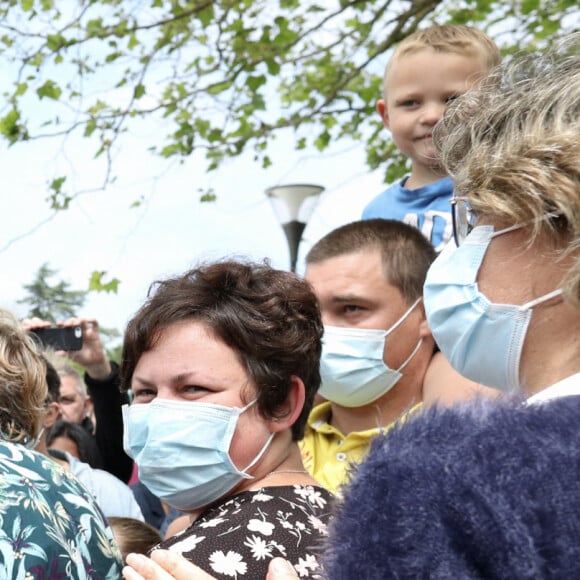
column 60, row 337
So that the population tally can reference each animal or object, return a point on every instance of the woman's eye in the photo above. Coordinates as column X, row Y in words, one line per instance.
column 195, row 389
column 143, row 395
column 349, row 308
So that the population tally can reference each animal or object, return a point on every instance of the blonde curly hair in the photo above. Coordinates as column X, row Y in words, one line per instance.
column 23, row 389
column 512, row 146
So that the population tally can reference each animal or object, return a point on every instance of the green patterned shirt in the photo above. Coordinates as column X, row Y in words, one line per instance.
column 50, row 526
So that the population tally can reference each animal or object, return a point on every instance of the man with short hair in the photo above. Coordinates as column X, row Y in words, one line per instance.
column 377, row 347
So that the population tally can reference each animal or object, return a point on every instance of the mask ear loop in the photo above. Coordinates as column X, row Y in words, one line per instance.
column 32, row 443
column 415, row 350
column 262, row 451
column 398, row 323
column 404, row 317
column 541, row 299
column 258, row 457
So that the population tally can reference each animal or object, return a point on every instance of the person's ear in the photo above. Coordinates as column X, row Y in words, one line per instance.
column 88, row 406
column 424, row 330
column 51, row 415
column 292, row 408
column 383, row 111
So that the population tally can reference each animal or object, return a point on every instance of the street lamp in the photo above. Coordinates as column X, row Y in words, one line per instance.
column 293, row 205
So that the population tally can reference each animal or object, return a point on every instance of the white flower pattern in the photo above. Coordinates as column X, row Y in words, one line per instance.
column 306, row 565
column 230, row 564
column 244, row 532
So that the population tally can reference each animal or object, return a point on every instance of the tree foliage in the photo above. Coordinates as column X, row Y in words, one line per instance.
column 226, row 76
column 54, row 301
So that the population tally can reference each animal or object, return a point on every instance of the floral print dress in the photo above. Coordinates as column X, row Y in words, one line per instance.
column 238, row 537
column 50, row 525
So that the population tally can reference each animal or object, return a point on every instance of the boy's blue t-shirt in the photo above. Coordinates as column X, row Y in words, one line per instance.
column 426, row 208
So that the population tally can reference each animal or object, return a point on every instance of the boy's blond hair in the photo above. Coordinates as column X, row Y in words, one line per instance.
column 454, row 38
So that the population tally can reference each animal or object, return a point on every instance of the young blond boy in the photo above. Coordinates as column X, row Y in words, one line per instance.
column 426, row 71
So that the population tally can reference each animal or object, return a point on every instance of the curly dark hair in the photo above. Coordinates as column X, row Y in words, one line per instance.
column 269, row 317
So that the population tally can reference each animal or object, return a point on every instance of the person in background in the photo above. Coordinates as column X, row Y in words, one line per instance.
column 428, row 70
column 76, row 405
column 223, row 362
column 102, row 381
column 72, row 438
column 378, row 351
column 112, row 495
column 51, row 525
column 134, row 536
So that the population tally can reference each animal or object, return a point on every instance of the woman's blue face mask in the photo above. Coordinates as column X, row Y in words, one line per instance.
column 483, row 341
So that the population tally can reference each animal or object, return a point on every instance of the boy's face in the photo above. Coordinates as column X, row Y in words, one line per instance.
column 418, row 87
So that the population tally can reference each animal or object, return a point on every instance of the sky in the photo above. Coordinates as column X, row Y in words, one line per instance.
column 171, row 230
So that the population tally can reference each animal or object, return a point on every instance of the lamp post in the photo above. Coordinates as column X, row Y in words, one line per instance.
column 293, row 205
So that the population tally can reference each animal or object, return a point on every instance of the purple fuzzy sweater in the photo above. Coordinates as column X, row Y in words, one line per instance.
column 485, row 491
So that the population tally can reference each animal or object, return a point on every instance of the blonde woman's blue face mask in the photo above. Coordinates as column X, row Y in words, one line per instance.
column 483, row 341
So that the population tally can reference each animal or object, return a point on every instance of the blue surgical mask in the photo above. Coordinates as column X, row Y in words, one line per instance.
column 483, row 341
column 352, row 365
column 182, row 450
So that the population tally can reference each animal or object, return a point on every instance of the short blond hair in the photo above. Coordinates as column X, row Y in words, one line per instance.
column 23, row 389
column 512, row 146
column 454, row 38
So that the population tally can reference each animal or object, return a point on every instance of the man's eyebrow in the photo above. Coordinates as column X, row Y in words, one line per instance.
column 342, row 298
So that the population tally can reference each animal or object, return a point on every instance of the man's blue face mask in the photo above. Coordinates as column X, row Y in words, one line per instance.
column 352, row 365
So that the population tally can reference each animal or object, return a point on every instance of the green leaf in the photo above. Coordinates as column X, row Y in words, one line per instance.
column 255, row 82
column 55, row 42
column 10, row 126
column 273, row 67
column 322, row 141
column 90, row 127
column 50, row 90
column 528, row 6
column 96, row 283
column 206, row 16
column 207, row 195
column 58, row 199
column 133, row 41
column 21, row 88
column 218, row 88
column 139, row 91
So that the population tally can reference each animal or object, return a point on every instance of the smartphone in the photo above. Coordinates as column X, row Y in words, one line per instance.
column 60, row 337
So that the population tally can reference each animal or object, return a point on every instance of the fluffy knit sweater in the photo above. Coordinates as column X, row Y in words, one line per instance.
column 486, row 491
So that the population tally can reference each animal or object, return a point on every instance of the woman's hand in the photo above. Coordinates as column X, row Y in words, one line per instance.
column 280, row 569
column 163, row 565
column 166, row 565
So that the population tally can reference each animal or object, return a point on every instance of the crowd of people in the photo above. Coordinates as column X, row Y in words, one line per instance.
column 405, row 410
